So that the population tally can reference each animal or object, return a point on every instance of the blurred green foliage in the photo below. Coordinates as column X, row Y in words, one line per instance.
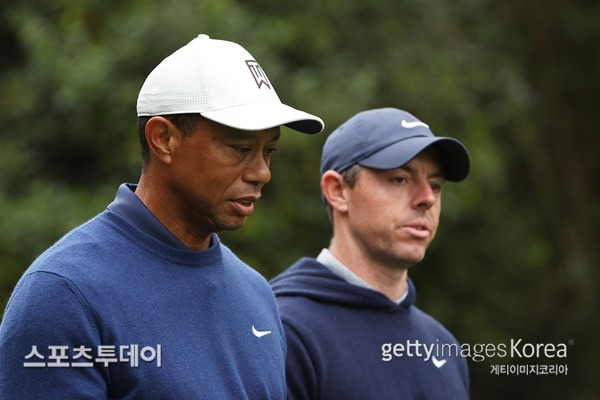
column 517, row 81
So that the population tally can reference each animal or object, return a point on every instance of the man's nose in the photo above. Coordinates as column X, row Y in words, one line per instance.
column 258, row 170
column 424, row 196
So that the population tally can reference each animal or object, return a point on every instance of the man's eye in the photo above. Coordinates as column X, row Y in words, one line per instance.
column 270, row 150
column 242, row 150
column 398, row 179
column 436, row 187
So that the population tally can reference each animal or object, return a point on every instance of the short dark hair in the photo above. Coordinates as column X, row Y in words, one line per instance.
column 350, row 176
column 186, row 123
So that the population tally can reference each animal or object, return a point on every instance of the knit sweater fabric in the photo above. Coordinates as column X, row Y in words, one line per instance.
column 349, row 342
column 131, row 317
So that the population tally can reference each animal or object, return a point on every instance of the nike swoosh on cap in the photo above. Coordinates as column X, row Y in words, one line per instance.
column 409, row 125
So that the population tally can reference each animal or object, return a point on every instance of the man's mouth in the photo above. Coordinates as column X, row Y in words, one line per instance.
column 420, row 231
column 245, row 205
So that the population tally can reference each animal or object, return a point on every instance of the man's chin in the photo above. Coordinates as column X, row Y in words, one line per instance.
column 409, row 260
column 234, row 225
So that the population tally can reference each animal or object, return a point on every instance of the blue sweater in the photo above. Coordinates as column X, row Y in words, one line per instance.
column 349, row 342
column 173, row 323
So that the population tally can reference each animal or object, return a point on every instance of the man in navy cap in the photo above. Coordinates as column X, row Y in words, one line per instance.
column 352, row 329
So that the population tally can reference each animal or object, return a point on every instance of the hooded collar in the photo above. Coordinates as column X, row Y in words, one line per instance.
column 311, row 279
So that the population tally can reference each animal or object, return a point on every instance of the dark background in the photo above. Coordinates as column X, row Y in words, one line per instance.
column 517, row 81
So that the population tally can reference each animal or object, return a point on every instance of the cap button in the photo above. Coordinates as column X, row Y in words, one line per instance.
column 203, row 36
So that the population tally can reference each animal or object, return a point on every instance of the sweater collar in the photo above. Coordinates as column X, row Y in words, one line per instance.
column 129, row 207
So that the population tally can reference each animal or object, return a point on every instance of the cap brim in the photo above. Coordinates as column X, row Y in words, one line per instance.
column 455, row 159
column 260, row 116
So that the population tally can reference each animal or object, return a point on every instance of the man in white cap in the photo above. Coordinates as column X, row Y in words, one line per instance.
column 143, row 301
column 353, row 331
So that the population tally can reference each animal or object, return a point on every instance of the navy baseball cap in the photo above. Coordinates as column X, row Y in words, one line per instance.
column 388, row 138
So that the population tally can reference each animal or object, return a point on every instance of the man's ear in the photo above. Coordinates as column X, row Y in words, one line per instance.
column 334, row 189
column 161, row 136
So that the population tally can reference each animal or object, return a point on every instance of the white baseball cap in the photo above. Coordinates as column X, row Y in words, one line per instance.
column 224, row 83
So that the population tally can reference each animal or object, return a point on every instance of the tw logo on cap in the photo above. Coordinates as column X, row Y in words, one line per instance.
column 258, row 74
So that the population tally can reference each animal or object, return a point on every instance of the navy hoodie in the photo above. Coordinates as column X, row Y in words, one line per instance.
column 349, row 342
